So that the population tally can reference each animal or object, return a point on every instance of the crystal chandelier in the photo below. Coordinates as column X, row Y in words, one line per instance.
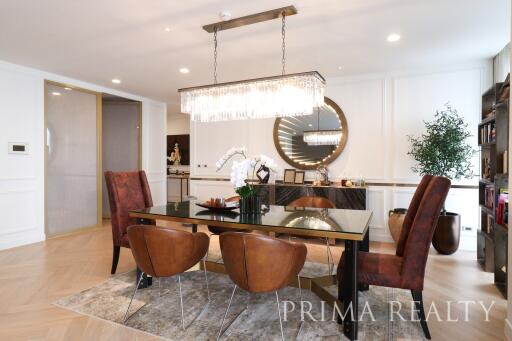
column 278, row 96
column 322, row 137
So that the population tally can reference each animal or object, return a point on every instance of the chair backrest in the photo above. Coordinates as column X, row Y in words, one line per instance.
column 164, row 252
column 411, row 213
column 314, row 202
column 258, row 263
column 126, row 191
column 422, row 230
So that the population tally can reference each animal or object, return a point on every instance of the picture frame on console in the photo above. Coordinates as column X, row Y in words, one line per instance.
column 289, row 176
column 299, row 177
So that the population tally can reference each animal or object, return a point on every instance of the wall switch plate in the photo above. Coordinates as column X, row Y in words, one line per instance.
column 18, row 148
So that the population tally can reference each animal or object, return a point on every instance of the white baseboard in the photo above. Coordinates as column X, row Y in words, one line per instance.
column 23, row 238
column 508, row 330
column 380, row 235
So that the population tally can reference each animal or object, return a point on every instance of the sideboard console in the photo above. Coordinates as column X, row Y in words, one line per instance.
column 354, row 198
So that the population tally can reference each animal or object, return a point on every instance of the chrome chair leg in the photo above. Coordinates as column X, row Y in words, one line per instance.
column 181, row 303
column 279, row 313
column 329, row 257
column 300, row 289
column 226, row 313
column 134, row 292
column 206, row 279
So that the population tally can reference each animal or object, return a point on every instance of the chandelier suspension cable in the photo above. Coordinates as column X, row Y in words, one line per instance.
column 215, row 55
column 283, row 43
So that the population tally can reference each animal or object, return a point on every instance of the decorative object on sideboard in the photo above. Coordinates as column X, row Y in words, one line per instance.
column 395, row 222
column 289, row 176
column 443, row 150
column 291, row 137
column 299, row 177
column 263, row 174
column 286, row 95
column 322, row 175
column 250, row 202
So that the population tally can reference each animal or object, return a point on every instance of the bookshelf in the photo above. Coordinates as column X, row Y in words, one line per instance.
column 493, row 183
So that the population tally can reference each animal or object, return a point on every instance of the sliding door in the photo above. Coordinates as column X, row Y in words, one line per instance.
column 72, row 193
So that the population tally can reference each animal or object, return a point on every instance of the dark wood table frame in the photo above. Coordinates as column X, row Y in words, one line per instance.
column 347, row 290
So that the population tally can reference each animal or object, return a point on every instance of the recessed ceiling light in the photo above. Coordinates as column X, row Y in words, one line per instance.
column 55, row 93
column 68, row 89
column 393, row 37
column 310, row 125
column 116, row 81
column 339, row 68
column 167, row 29
column 184, row 70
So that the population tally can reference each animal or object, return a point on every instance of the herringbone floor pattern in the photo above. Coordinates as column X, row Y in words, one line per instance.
column 34, row 276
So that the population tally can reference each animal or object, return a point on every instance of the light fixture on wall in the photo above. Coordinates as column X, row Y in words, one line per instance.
column 322, row 137
column 277, row 96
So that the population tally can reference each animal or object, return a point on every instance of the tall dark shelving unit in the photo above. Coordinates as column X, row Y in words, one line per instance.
column 493, row 141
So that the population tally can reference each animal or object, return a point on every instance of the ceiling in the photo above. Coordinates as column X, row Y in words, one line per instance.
column 96, row 40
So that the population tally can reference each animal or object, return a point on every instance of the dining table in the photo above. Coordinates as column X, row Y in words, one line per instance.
column 350, row 226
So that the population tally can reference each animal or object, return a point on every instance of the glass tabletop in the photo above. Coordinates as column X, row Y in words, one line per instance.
column 330, row 220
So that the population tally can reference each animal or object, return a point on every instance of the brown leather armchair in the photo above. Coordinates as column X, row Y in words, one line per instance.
column 126, row 191
column 165, row 252
column 259, row 263
column 406, row 269
column 317, row 202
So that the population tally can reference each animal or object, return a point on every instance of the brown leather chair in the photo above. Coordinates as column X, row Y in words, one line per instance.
column 258, row 263
column 126, row 191
column 165, row 252
column 406, row 269
column 317, row 202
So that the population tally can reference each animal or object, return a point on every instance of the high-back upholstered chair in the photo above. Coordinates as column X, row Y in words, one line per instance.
column 406, row 269
column 317, row 202
column 126, row 191
column 258, row 263
column 165, row 252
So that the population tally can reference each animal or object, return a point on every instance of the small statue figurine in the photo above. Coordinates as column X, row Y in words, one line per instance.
column 323, row 174
column 263, row 174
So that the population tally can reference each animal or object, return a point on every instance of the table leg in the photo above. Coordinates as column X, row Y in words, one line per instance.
column 365, row 246
column 194, row 228
column 146, row 281
column 347, row 291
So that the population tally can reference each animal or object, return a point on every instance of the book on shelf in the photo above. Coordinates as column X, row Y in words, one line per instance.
column 487, row 133
column 489, row 197
column 505, row 161
column 502, row 208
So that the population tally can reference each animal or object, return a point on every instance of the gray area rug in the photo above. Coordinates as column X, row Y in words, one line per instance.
column 156, row 310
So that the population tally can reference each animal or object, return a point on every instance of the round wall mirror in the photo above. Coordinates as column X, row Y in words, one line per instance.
column 306, row 142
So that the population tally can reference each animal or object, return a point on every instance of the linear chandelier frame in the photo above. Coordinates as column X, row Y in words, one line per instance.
column 285, row 95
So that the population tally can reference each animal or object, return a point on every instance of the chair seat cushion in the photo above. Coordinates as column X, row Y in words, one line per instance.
column 376, row 269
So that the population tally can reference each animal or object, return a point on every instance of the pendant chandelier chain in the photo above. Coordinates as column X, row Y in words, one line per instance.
column 215, row 56
column 283, row 43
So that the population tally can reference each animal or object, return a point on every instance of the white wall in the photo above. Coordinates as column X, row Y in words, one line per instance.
column 381, row 110
column 22, row 177
column 178, row 124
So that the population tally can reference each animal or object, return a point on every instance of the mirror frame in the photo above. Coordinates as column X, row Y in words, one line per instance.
column 333, row 156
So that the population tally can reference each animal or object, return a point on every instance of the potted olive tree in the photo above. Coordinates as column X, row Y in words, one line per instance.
column 443, row 150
